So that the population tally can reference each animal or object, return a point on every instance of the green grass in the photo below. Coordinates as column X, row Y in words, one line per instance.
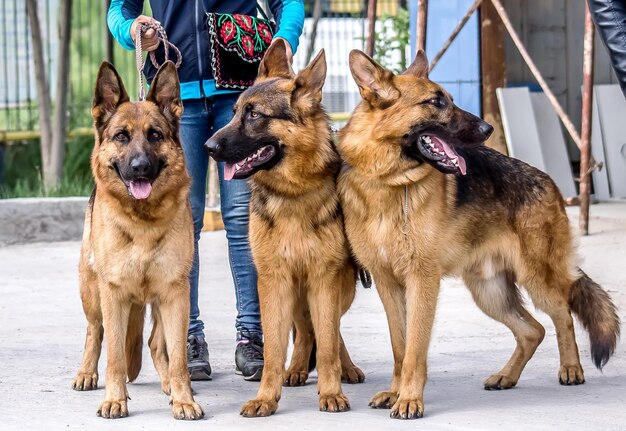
column 68, row 187
column 22, row 175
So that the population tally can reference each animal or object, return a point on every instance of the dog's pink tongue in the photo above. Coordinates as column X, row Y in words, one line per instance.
column 229, row 171
column 140, row 189
column 462, row 166
column 452, row 154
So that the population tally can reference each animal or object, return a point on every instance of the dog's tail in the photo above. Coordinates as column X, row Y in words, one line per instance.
column 134, row 341
column 598, row 314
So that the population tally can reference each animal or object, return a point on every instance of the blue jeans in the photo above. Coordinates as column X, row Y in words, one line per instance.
column 201, row 118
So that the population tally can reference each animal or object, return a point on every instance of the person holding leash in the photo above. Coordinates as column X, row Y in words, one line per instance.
column 208, row 102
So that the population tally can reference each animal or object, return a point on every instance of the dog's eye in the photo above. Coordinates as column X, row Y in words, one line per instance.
column 121, row 137
column 155, row 136
column 438, row 102
column 254, row 114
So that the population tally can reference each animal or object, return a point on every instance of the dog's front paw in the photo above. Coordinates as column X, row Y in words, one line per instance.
column 187, row 411
column 113, row 409
column 407, row 409
column 352, row 374
column 295, row 378
column 334, row 403
column 383, row 400
column 499, row 381
column 259, row 408
column 571, row 375
column 85, row 382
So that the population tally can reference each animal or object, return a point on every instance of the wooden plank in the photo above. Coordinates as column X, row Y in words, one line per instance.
column 552, row 145
column 585, row 130
column 493, row 71
column 518, row 120
column 600, row 177
column 534, row 135
column 612, row 111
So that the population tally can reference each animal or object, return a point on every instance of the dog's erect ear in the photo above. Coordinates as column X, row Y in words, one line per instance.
column 309, row 82
column 419, row 67
column 275, row 63
column 375, row 82
column 165, row 91
column 108, row 95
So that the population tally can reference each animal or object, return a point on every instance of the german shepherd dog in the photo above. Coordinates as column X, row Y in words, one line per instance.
column 137, row 243
column 424, row 198
column 280, row 137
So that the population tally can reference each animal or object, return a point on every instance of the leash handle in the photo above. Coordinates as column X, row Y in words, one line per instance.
column 140, row 30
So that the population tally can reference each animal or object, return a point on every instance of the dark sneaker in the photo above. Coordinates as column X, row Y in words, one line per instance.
column 198, row 358
column 249, row 356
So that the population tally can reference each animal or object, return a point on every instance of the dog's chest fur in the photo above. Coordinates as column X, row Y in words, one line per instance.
column 289, row 232
column 392, row 228
column 142, row 257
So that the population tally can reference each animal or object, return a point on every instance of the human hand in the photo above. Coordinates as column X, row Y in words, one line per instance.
column 149, row 40
column 288, row 50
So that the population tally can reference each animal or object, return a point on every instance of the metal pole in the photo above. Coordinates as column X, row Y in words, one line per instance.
column 544, row 86
column 107, row 34
column 585, row 152
column 454, row 34
column 371, row 27
column 422, row 18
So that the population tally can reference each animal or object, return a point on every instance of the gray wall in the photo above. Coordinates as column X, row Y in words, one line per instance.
column 552, row 31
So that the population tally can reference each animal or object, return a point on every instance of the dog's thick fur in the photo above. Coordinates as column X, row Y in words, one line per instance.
column 280, row 135
column 137, row 251
column 499, row 225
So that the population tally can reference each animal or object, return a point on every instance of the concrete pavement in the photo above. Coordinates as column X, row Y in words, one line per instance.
column 42, row 331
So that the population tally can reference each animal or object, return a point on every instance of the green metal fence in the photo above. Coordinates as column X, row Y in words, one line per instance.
column 89, row 46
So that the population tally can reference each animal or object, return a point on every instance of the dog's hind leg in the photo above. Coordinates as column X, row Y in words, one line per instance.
column 393, row 298
column 552, row 299
column 498, row 298
column 304, row 338
column 158, row 350
column 547, row 270
column 87, row 376
column 350, row 373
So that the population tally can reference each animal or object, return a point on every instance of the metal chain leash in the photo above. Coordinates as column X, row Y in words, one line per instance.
column 141, row 29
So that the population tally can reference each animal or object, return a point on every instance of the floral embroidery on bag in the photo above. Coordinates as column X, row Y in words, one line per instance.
column 228, row 31
column 237, row 43
column 248, row 35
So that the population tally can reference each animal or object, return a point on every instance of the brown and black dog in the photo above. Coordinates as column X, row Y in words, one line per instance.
column 137, row 243
column 280, row 137
column 423, row 198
